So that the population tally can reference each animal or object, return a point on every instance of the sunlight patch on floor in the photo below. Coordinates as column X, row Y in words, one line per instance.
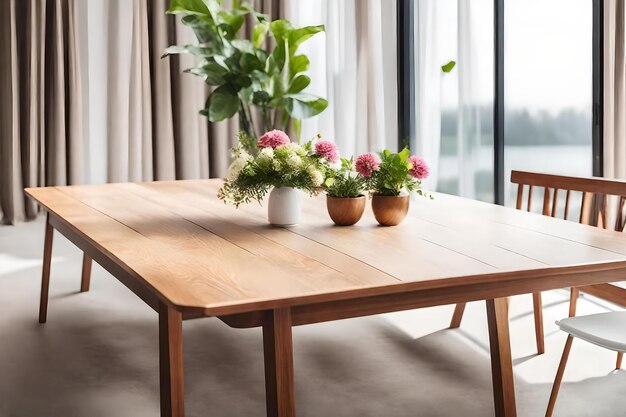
column 10, row 264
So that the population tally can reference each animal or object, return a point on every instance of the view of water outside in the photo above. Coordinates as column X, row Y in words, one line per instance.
column 548, row 94
column 548, row 82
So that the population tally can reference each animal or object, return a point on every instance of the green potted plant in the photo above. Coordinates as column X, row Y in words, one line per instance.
column 390, row 178
column 345, row 193
column 283, row 167
column 243, row 73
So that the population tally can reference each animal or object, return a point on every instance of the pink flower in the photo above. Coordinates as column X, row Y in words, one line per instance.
column 327, row 149
column 420, row 169
column 367, row 163
column 273, row 139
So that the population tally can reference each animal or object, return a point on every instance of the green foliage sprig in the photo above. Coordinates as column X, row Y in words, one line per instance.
column 394, row 175
column 250, row 178
column 243, row 73
column 345, row 182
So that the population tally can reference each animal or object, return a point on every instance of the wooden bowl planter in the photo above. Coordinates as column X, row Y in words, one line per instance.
column 345, row 211
column 390, row 210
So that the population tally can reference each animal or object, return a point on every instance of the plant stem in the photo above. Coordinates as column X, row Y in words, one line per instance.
column 277, row 117
column 267, row 122
column 245, row 120
column 286, row 128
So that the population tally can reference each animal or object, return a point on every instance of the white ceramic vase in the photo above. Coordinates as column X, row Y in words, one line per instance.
column 284, row 207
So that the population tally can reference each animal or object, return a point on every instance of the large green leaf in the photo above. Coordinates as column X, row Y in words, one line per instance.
column 260, row 80
column 245, row 94
column 233, row 19
column 404, row 155
column 261, row 54
column 281, row 28
column 197, row 50
column 205, row 30
column 275, row 86
column 176, row 50
column 232, row 62
column 299, row 63
column 197, row 7
column 299, row 83
column 298, row 36
column 222, row 104
column 212, row 72
column 243, row 45
column 249, row 63
column 238, row 81
column 259, row 32
column 278, row 56
column 227, row 31
column 302, row 106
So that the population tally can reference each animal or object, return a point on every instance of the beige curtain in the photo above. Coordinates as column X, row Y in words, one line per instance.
column 153, row 127
column 353, row 65
column 614, row 90
column 41, row 108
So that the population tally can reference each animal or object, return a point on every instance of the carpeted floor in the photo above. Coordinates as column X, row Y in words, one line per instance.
column 97, row 355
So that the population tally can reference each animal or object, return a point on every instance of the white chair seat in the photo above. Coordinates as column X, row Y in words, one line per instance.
column 607, row 330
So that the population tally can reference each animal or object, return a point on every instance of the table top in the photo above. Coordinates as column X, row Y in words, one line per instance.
column 195, row 252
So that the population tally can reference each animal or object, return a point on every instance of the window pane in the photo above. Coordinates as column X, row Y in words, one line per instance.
column 548, row 88
column 455, row 111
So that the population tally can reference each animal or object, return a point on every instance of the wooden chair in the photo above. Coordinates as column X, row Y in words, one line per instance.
column 593, row 203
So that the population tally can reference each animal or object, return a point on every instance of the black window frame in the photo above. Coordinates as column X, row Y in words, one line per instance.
column 406, row 86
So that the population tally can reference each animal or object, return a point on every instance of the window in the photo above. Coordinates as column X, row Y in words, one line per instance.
column 540, row 97
column 548, row 76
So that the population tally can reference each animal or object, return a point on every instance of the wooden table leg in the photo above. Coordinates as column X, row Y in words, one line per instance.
column 171, row 362
column 86, row 274
column 279, row 375
column 45, row 271
column 538, row 313
column 501, row 364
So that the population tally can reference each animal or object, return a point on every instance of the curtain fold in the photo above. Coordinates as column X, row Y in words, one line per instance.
column 154, row 131
column 353, row 65
column 427, row 87
column 614, row 89
column 41, row 109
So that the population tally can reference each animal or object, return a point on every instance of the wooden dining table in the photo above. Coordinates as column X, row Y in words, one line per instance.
column 188, row 256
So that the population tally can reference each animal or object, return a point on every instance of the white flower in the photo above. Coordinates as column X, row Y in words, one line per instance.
column 294, row 147
column 316, row 177
column 237, row 165
column 267, row 153
column 335, row 165
column 294, row 161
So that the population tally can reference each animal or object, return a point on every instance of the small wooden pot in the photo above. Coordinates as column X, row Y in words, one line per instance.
column 345, row 211
column 390, row 210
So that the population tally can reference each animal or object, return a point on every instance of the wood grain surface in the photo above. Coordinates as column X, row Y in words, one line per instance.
column 202, row 257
